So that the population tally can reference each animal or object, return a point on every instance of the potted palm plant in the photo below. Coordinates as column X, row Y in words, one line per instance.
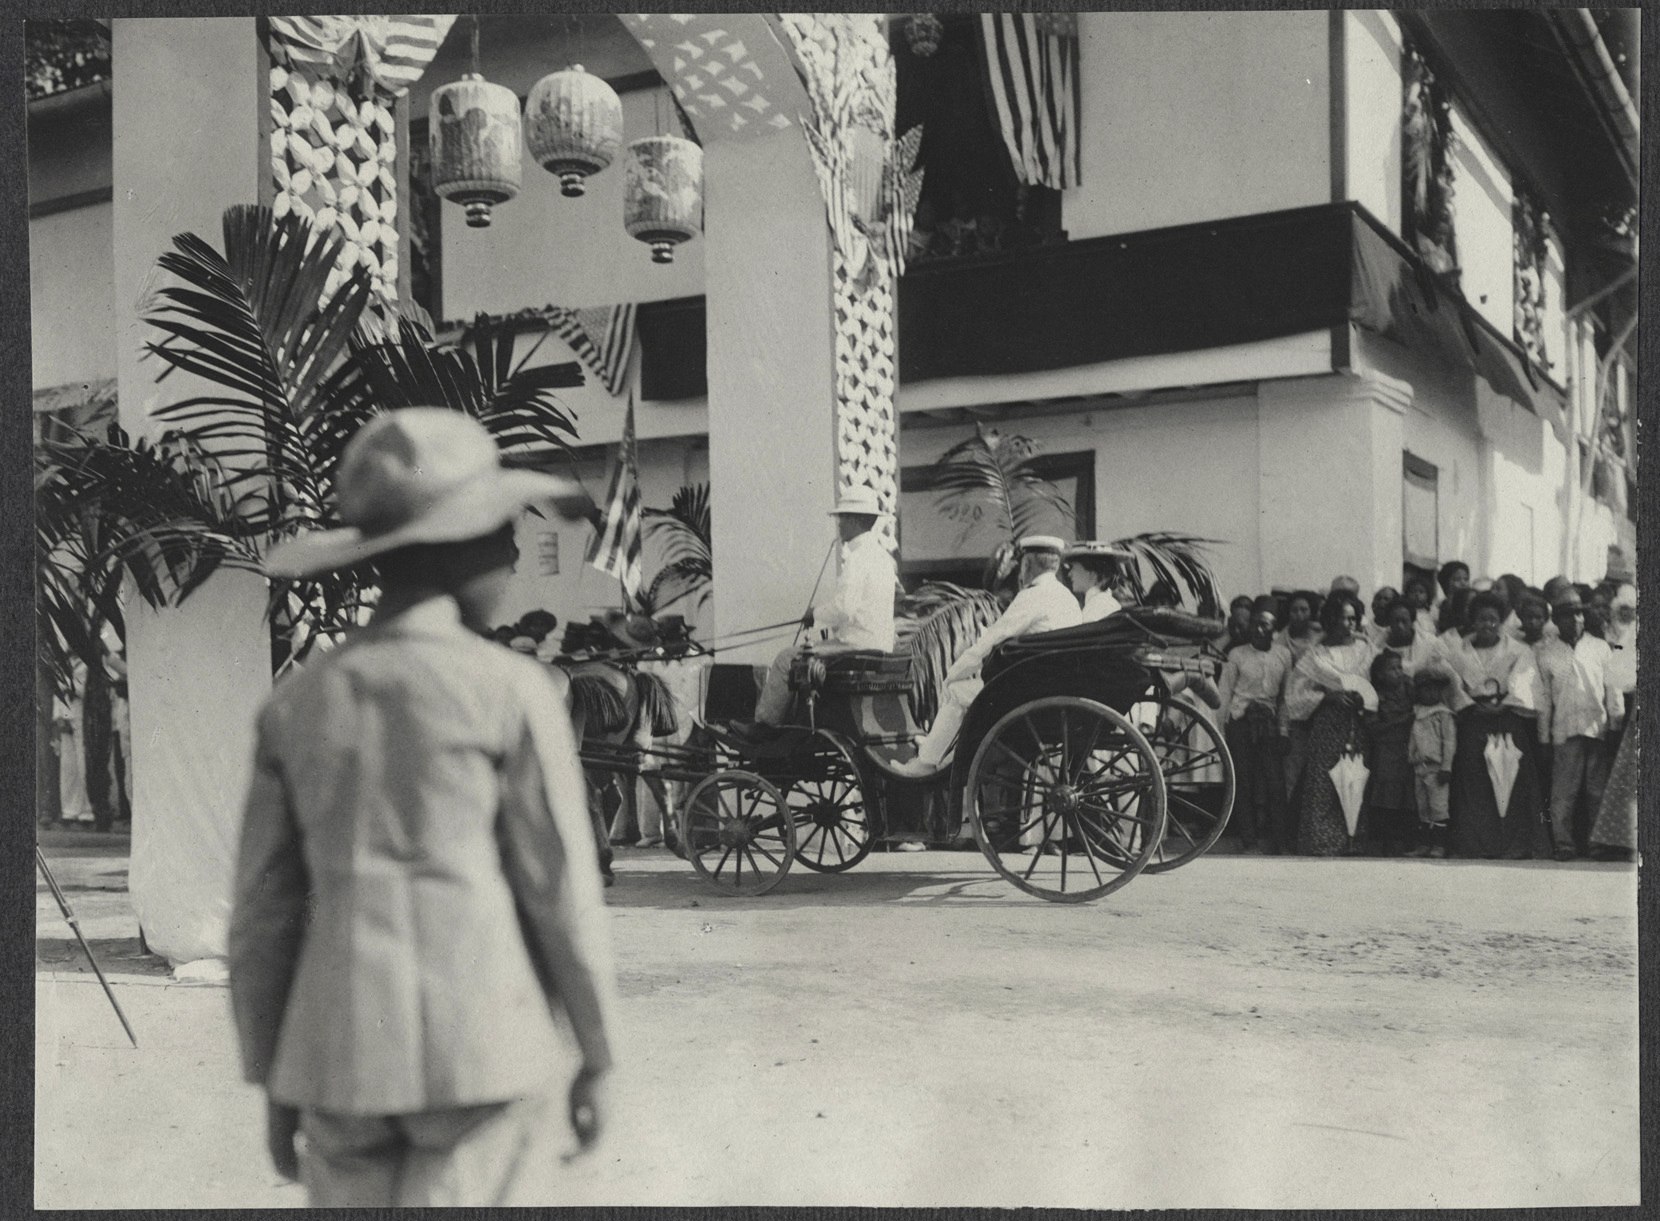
column 287, row 375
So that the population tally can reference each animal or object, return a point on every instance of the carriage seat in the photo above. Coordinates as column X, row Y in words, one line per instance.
column 857, row 672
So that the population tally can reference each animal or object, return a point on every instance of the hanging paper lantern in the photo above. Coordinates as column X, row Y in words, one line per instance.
column 663, row 193
column 924, row 31
column 475, row 144
column 573, row 125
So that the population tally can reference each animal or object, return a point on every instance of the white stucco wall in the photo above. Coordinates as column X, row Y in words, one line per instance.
column 1183, row 467
column 1441, row 428
column 579, row 589
column 1194, row 116
column 72, row 295
column 1482, row 201
column 1372, row 61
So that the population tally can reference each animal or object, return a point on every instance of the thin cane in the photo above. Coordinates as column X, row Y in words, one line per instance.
column 800, row 626
column 75, row 927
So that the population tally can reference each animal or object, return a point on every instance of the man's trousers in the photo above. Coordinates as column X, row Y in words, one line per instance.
column 1579, row 774
column 478, row 1155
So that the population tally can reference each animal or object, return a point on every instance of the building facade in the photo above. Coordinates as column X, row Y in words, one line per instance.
column 1346, row 292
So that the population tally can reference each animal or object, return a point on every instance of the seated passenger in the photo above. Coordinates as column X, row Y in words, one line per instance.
column 1042, row 605
column 858, row 615
column 1094, row 572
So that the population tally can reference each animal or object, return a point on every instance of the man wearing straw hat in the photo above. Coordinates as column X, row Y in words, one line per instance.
column 1578, row 707
column 858, row 615
column 415, row 893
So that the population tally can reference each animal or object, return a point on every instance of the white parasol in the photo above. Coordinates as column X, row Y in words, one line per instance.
column 1503, row 758
column 1348, row 776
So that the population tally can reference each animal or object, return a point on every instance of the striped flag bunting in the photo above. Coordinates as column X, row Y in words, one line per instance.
column 602, row 338
column 901, row 188
column 616, row 545
column 393, row 51
column 1031, row 62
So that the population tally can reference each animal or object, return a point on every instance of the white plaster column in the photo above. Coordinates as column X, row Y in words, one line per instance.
column 772, row 449
column 187, row 145
column 1330, row 479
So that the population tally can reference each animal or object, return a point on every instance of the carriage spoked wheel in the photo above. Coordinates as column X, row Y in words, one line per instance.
column 1066, row 798
column 738, row 832
column 826, row 798
column 1198, row 780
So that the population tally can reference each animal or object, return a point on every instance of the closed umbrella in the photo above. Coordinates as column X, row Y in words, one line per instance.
column 1503, row 759
column 1349, row 775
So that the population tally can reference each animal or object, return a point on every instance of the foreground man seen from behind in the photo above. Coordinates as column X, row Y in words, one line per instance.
column 416, row 890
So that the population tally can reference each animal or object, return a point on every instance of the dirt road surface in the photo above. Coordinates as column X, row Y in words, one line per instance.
column 1247, row 1031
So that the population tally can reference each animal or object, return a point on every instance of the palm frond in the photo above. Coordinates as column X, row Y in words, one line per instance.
column 999, row 472
column 946, row 620
column 1178, row 560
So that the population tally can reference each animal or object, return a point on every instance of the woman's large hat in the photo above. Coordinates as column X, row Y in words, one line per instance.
column 419, row 475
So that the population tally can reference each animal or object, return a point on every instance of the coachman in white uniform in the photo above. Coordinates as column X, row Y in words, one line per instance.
column 858, row 615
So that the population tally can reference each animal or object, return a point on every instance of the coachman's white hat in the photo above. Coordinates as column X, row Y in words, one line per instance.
column 419, row 475
column 1040, row 542
column 858, row 500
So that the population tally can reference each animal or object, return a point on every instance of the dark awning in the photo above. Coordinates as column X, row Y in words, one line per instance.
column 1181, row 289
column 1393, row 294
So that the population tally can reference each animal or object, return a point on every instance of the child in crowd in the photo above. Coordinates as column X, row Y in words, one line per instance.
column 1390, row 802
column 1251, row 684
column 1430, row 749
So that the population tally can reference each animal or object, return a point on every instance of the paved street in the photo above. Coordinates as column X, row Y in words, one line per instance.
column 1257, row 1032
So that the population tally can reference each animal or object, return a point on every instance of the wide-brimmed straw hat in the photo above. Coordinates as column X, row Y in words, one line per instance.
column 858, row 500
column 1090, row 550
column 419, row 475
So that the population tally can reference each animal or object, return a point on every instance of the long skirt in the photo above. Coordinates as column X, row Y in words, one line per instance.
column 1321, row 828
column 1616, row 825
column 1476, row 827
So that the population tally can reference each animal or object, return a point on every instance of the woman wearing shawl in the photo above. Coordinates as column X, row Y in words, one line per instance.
column 1493, row 697
column 1329, row 691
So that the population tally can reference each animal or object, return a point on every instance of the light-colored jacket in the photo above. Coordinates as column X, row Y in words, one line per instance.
column 416, row 889
column 1045, row 605
column 859, row 612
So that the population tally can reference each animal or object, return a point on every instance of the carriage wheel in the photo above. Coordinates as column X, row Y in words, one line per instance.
column 1198, row 780
column 1076, row 794
column 832, row 828
column 737, row 832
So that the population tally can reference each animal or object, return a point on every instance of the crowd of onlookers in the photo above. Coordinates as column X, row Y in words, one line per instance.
column 1492, row 719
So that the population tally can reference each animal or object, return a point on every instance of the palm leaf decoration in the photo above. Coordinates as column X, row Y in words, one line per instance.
column 940, row 621
column 288, row 376
column 1179, row 563
column 999, row 475
column 688, row 556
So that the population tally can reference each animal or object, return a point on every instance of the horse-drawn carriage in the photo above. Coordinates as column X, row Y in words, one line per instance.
column 1082, row 763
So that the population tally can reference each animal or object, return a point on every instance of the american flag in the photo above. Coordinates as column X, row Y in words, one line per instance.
column 393, row 50
column 616, row 545
column 602, row 338
column 1032, row 63
column 901, row 188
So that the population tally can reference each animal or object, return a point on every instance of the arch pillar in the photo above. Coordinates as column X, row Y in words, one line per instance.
column 801, row 334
